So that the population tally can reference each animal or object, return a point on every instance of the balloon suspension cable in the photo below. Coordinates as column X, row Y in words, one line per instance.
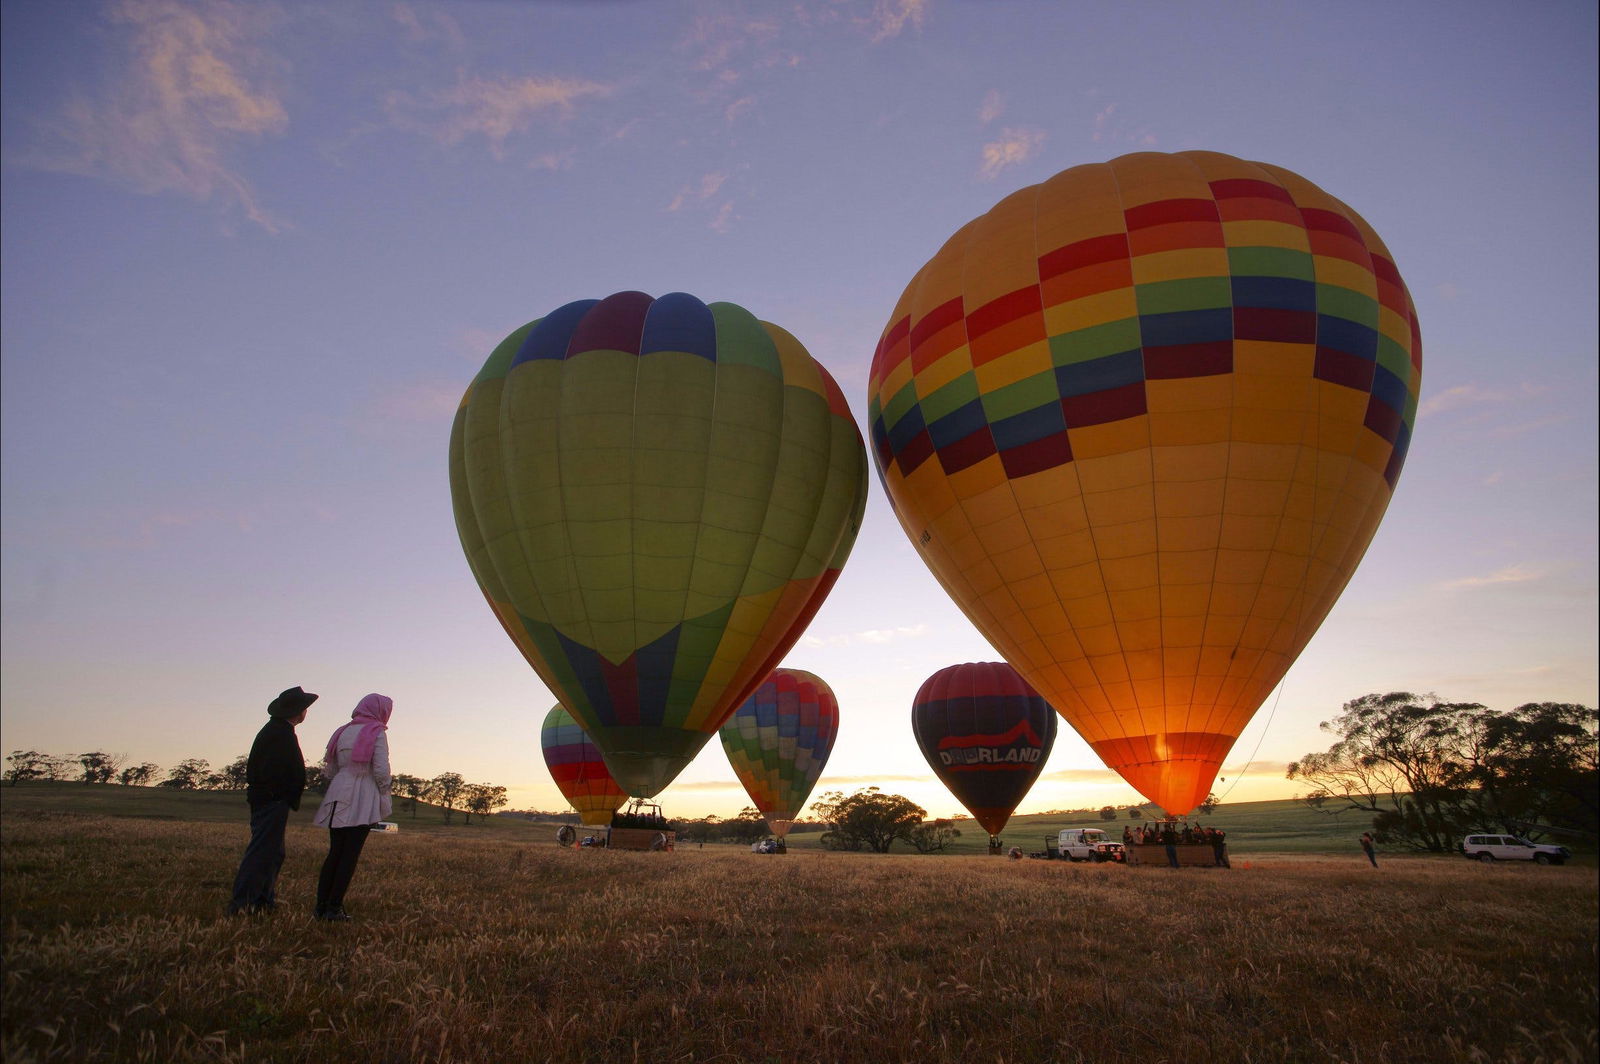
column 1264, row 729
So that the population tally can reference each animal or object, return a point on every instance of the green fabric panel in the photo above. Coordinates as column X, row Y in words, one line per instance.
column 698, row 638
column 1271, row 262
column 797, row 488
column 1030, row 393
column 493, row 501
column 1344, row 303
column 1191, row 293
column 899, row 404
column 742, row 341
column 499, row 361
column 1097, row 341
column 952, row 396
column 743, row 459
column 1394, row 358
column 644, row 760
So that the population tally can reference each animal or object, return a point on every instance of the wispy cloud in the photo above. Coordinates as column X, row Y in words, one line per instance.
column 495, row 109
column 427, row 25
column 1511, row 574
column 1109, row 129
column 992, row 107
column 194, row 86
column 1014, row 146
column 871, row 636
column 704, row 194
column 889, row 18
column 700, row 192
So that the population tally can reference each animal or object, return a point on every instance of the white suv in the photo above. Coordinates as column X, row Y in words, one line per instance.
column 1488, row 848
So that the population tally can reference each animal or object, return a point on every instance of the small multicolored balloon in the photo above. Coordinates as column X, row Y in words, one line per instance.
column 778, row 741
column 578, row 769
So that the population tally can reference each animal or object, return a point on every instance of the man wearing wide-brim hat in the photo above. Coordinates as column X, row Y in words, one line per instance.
column 275, row 778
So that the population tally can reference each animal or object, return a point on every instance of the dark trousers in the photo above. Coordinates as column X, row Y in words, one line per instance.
column 344, row 850
column 1172, row 855
column 1371, row 856
column 256, row 885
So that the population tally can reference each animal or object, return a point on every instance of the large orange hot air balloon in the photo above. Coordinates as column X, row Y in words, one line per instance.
column 1141, row 421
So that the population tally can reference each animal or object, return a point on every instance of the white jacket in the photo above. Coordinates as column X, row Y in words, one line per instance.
column 358, row 794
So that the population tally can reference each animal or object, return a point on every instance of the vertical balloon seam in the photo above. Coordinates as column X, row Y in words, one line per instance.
column 719, row 369
column 1189, row 727
column 1318, row 536
column 704, row 704
column 1144, row 377
column 1311, row 410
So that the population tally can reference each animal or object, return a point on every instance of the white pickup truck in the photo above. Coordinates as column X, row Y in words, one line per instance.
column 1089, row 844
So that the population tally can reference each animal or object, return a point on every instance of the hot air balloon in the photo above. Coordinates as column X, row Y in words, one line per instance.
column 578, row 769
column 986, row 734
column 1141, row 421
column 655, row 496
column 779, row 739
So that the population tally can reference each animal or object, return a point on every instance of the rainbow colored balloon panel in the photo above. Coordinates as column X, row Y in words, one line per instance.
column 579, row 770
column 778, row 741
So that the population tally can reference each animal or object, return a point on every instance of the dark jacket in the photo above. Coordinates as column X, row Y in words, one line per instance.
column 276, row 771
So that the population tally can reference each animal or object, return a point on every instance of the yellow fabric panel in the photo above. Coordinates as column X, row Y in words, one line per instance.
column 1180, row 265
column 1001, row 257
column 1343, row 273
column 1028, row 361
column 977, row 481
column 1146, row 177
column 1113, row 438
column 1129, row 574
column 1189, row 393
column 1264, row 358
column 1177, row 499
column 1190, row 427
column 1101, row 308
column 1185, row 571
column 1261, row 233
column 944, row 370
column 1189, row 533
column 1078, row 204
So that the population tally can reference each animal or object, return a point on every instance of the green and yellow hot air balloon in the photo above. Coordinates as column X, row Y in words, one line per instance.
column 655, row 496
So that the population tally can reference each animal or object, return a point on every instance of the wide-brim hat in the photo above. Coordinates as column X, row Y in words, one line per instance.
column 291, row 703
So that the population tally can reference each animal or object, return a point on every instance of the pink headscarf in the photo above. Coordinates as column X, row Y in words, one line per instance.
column 372, row 716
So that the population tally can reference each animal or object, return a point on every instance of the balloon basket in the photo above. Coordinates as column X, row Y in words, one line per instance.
column 641, row 839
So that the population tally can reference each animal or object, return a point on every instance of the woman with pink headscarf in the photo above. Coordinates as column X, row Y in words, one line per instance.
column 357, row 763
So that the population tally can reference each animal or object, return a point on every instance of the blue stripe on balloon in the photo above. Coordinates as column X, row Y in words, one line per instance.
column 680, row 322
column 549, row 338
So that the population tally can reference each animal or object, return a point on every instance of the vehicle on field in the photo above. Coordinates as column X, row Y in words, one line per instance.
column 1490, row 848
column 1088, row 844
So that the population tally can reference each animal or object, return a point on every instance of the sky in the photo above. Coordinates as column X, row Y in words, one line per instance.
column 253, row 253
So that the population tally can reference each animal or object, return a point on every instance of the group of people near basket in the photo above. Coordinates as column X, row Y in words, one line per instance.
column 1167, row 835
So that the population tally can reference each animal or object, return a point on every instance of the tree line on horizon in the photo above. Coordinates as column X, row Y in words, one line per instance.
column 450, row 791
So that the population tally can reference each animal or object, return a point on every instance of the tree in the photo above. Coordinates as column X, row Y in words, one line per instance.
column 747, row 827
column 1209, row 806
column 867, row 818
column 1430, row 771
column 188, row 774
column 1108, row 812
column 412, row 788
column 138, row 775
column 317, row 779
column 483, row 798
column 1135, row 812
column 25, row 765
column 236, row 776
column 1539, row 767
column 447, row 789
column 932, row 836
column 100, row 767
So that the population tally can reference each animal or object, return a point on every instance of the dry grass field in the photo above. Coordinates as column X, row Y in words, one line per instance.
column 481, row 948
